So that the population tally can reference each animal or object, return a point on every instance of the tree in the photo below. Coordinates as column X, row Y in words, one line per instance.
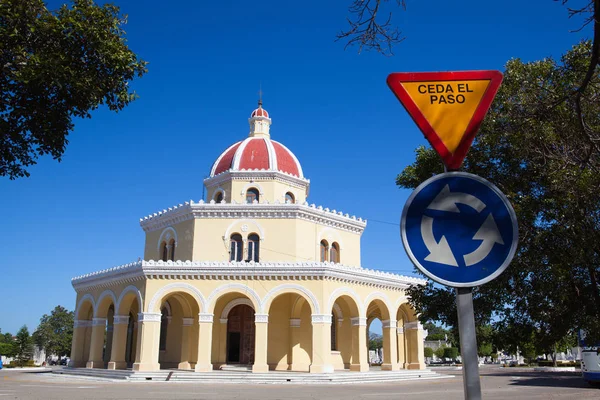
column 24, row 345
column 57, row 65
column 534, row 147
column 439, row 352
column 7, row 345
column 451, row 353
column 55, row 332
column 428, row 352
column 375, row 341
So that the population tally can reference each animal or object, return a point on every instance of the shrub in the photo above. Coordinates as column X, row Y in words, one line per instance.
column 450, row 352
column 428, row 352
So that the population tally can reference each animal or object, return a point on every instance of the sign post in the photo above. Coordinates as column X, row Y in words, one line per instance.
column 457, row 228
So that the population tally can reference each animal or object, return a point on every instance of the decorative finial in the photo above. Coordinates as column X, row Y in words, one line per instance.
column 260, row 95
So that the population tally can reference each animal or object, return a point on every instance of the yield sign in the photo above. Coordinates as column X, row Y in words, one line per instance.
column 448, row 107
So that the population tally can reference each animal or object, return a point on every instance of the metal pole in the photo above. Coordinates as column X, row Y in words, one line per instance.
column 468, row 343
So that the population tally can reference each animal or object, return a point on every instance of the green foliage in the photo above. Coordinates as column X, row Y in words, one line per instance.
column 55, row 332
column 375, row 341
column 428, row 352
column 439, row 352
column 24, row 345
column 57, row 65
column 450, row 352
column 435, row 332
column 8, row 347
column 535, row 148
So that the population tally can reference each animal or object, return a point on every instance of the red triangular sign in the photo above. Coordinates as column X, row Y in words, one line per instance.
column 448, row 107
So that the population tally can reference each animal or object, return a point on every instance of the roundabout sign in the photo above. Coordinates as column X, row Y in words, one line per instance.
column 459, row 229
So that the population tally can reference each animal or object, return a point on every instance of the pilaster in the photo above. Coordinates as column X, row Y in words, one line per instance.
column 119, row 342
column 97, row 343
column 146, row 358
column 359, row 345
column 390, row 351
column 414, row 341
column 261, row 323
column 205, row 321
column 186, row 329
column 77, row 346
column 321, row 344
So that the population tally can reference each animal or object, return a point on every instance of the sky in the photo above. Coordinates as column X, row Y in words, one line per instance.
column 207, row 61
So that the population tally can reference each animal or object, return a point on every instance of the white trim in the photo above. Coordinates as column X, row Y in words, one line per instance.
column 379, row 296
column 320, row 318
column 223, row 193
column 149, row 317
column 85, row 297
column 82, row 323
column 236, row 302
column 338, row 311
column 300, row 173
column 277, row 290
column 174, row 287
column 400, row 330
column 223, row 320
column 272, row 154
column 250, row 185
column 98, row 321
column 346, row 291
column 295, row 322
column 129, row 289
column 389, row 323
column 414, row 325
column 187, row 321
column 121, row 320
column 214, row 167
column 160, row 239
column 167, row 305
column 233, row 288
column 235, row 163
column 358, row 321
column 261, row 318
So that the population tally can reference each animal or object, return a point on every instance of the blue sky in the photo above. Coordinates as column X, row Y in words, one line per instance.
column 331, row 107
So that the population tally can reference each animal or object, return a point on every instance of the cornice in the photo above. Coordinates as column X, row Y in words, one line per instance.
column 257, row 175
column 244, row 271
column 201, row 210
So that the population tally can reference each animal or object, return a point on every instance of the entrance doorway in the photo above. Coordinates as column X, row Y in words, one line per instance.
column 240, row 335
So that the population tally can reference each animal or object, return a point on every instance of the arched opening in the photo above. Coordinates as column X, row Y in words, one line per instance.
column 108, row 337
column 334, row 253
column 102, row 346
column 179, row 331
column 218, row 197
column 172, row 250
column 240, row 335
column 164, row 251
column 345, row 316
column 128, row 307
column 253, row 247
column 290, row 333
column 252, row 195
column 289, row 198
column 409, row 339
column 324, row 250
column 236, row 248
column 379, row 335
column 233, row 339
column 84, row 317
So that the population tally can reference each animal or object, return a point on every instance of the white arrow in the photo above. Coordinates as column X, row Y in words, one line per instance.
column 447, row 200
column 438, row 252
column 490, row 235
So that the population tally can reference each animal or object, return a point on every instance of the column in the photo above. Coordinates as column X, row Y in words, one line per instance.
column 390, row 351
column 294, row 325
column 261, row 324
column 119, row 342
column 78, row 345
column 186, row 337
column 402, row 363
column 359, row 345
column 414, row 341
column 205, row 321
column 97, row 343
column 321, row 344
column 146, row 356
column 222, row 353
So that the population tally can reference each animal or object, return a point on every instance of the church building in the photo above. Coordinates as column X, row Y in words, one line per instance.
column 253, row 277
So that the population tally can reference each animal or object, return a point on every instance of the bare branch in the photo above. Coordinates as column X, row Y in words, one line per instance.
column 368, row 30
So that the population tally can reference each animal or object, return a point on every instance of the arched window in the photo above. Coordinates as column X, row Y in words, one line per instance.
column 324, row 250
column 218, row 197
column 164, row 251
column 334, row 253
column 289, row 198
column 172, row 249
column 333, row 333
column 237, row 248
column 253, row 247
column 164, row 323
column 251, row 195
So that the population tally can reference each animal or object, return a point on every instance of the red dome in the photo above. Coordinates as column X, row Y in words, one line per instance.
column 257, row 153
column 259, row 112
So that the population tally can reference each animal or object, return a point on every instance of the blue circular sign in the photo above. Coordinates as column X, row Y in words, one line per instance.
column 459, row 229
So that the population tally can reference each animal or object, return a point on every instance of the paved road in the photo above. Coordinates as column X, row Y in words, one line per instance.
column 497, row 383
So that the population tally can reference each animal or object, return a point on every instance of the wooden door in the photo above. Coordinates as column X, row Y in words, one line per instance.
column 240, row 335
